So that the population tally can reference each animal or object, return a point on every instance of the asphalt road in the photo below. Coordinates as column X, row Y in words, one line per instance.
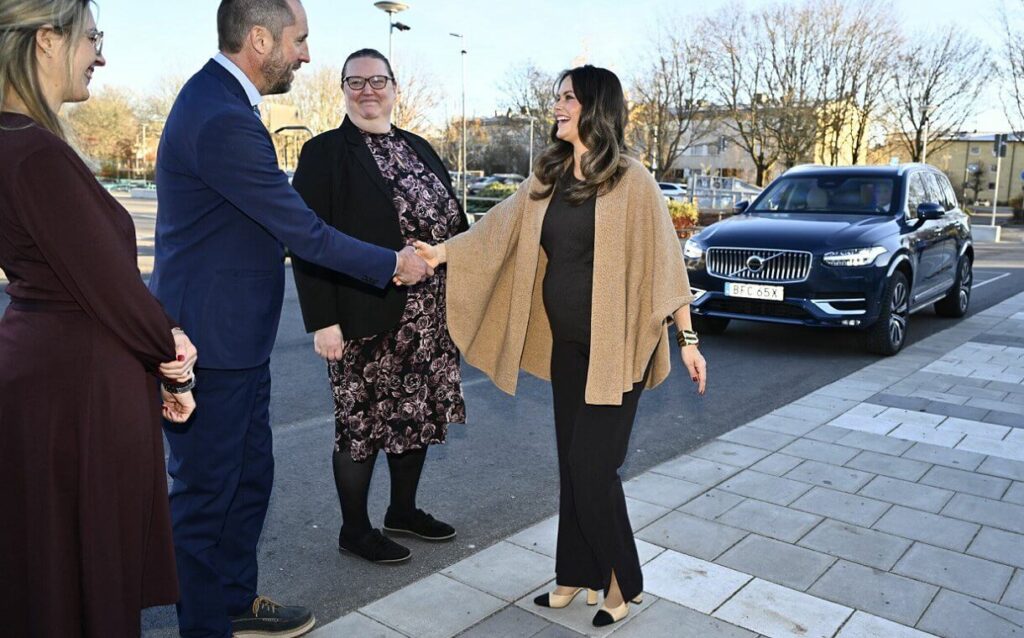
column 497, row 473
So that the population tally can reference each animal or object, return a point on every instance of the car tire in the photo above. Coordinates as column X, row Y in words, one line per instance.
column 956, row 302
column 889, row 332
column 709, row 325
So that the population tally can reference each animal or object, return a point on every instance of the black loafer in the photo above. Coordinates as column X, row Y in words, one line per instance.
column 267, row 618
column 419, row 524
column 374, row 547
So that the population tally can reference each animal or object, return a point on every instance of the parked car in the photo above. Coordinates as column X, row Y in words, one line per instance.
column 854, row 247
column 497, row 178
column 673, row 191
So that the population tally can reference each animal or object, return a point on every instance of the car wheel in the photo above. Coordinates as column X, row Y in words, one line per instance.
column 955, row 303
column 888, row 334
column 709, row 325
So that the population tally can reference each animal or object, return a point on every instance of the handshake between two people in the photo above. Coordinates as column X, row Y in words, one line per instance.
column 417, row 262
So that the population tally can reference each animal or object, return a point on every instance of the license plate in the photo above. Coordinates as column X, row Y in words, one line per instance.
column 754, row 291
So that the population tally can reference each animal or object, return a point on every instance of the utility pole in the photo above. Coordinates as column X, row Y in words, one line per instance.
column 462, row 153
column 999, row 149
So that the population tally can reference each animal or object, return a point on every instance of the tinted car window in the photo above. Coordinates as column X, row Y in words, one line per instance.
column 951, row 202
column 829, row 194
column 935, row 192
column 916, row 193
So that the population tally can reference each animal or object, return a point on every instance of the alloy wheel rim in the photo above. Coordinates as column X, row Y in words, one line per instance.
column 898, row 314
column 966, row 277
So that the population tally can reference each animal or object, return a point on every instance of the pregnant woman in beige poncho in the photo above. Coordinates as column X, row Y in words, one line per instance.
column 574, row 279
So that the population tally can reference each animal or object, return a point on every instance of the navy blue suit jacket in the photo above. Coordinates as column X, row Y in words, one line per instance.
column 225, row 213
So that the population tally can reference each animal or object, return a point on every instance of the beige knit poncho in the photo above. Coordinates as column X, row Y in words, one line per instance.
column 496, row 311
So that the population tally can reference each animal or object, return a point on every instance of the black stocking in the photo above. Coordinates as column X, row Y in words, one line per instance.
column 405, row 469
column 352, row 479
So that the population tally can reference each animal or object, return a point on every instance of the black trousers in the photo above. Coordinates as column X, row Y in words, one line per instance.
column 594, row 533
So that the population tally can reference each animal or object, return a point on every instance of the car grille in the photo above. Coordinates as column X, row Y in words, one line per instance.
column 756, row 308
column 777, row 266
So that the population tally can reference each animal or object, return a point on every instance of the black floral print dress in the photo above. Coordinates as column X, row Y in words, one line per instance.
column 398, row 390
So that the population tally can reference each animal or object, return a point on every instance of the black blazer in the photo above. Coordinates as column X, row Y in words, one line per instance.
column 340, row 181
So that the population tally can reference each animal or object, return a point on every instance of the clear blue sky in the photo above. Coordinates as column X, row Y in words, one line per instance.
column 150, row 39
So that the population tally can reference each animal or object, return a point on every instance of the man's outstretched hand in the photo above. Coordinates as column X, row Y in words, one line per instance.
column 411, row 268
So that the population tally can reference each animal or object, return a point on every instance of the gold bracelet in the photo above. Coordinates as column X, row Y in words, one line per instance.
column 686, row 338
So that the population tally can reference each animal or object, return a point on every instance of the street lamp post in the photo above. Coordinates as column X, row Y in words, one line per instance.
column 462, row 153
column 391, row 8
column 927, row 122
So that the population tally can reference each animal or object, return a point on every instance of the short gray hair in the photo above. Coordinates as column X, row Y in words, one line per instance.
column 236, row 18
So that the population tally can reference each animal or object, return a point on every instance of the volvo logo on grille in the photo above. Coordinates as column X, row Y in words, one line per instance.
column 755, row 263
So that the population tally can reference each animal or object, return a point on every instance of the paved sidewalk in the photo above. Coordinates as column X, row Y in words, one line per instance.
column 889, row 504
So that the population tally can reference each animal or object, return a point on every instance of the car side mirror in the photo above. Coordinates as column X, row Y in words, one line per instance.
column 740, row 207
column 930, row 210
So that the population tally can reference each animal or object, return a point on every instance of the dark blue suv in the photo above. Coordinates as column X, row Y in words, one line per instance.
column 854, row 247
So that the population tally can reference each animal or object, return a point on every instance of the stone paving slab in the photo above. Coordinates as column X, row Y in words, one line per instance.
column 521, row 571
column 900, row 599
column 831, row 476
column 858, row 544
column 914, row 495
column 765, row 487
column 711, row 504
column 999, row 546
column 954, row 615
column 863, row 625
column 777, row 562
column 886, row 465
column 578, row 616
column 770, row 520
column 510, row 622
column 668, row 619
column 953, row 570
column 780, row 612
column 356, row 624
column 848, row 508
column 697, row 584
column 696, row 470
column 661, row 490
column 691, row 535
column 434, row 607
column 933, row 529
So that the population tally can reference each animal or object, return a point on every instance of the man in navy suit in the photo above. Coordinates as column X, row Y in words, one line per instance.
column 226, row 211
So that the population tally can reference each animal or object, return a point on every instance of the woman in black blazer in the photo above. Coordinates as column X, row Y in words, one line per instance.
column 393, row 367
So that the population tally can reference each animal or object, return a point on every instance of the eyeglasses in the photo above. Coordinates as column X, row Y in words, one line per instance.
column 377, row 82
column 96, row 37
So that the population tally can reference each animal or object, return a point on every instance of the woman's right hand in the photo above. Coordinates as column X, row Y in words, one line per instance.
column 433, row 255
column 329, row 343
column 177, row 408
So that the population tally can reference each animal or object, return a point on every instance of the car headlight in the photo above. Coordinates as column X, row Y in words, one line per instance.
column 854, row 256
column 692, row 250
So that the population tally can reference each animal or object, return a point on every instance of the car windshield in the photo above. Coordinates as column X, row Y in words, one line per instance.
column 856, row 194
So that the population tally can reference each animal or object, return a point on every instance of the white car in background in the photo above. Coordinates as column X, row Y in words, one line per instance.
column 673, row 191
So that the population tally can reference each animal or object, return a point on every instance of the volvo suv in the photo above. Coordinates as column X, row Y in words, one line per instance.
column 853, row 247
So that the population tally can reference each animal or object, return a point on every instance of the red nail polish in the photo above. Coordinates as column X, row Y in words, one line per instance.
column 181, row 357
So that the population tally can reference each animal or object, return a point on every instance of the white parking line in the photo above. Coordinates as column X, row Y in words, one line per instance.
column 988, row 281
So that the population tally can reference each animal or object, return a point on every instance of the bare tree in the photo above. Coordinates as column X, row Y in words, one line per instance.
column 318, row 96
column 106, row 127
column 936, row 85
column 529, row 91
column 855, row 75
column 1013, row 63
column 739, row 82
column 670, row 111
column 419, row 95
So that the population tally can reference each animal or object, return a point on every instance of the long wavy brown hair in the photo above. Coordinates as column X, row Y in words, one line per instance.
column 602, row 129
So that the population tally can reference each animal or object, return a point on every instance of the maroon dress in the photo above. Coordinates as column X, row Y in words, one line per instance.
column 398, row 390
column 85, row 541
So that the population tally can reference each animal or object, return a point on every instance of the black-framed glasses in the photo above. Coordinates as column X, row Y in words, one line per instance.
column 377, row 82
column 96, row 37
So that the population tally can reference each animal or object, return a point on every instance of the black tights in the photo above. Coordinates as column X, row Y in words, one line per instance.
column 352, row 479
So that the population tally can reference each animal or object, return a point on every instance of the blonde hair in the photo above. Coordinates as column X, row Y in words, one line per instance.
column 19, row 67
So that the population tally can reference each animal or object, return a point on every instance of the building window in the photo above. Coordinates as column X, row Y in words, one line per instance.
column 975, row 150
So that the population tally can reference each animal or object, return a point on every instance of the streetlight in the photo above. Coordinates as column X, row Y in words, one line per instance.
column 525, row 114
column 927, row 122
column 391, row 8
column 462, row 154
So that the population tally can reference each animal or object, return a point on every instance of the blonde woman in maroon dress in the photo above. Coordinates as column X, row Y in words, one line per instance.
column 86, row 538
